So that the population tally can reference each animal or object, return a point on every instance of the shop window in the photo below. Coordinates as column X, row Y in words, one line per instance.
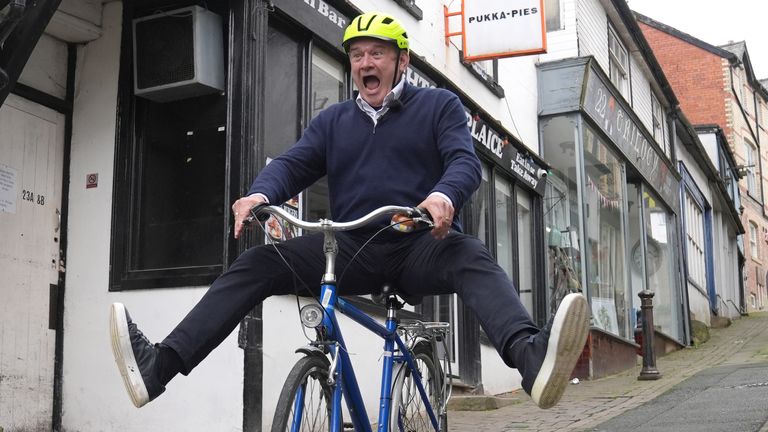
column 562, row 211
column 619, row 63
column 750, row 164
column 327, row 89
column 479, row 212
column 525, row 249
column 605, row 233
column 660, row 261
column 505, row 226
column 694, row 230
column 552, row 15
column 168, row 213
column 754, row 250
column 290, row 111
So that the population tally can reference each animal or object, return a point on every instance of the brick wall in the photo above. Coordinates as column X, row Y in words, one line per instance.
column 698, row 77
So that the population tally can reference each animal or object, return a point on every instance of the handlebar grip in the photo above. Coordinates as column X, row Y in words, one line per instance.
column 407, row 222
column 423, row 213
column 256, row 214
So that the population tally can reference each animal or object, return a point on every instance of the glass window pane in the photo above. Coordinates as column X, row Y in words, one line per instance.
column 179, row 213
column 637, row 264
column 604, row 238
column 562, row 210
column 327, row 89
column 282, row 93
column 659, row 265
column 552, row 13
column 504, row 228
column 478, row 210
column 525, row 249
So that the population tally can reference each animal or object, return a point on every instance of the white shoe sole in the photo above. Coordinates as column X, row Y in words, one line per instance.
column 126, row 362
column 566, row 342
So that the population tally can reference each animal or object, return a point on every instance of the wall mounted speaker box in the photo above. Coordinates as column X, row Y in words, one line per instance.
column 178, row 54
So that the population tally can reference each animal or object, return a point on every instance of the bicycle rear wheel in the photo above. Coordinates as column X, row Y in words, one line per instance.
column 305, row 398
column 409, row 414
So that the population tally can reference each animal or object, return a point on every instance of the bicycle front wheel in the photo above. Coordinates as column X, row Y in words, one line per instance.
column 409, row 412
column 306, row 399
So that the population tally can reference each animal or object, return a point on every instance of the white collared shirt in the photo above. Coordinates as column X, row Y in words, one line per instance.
column 391, row 96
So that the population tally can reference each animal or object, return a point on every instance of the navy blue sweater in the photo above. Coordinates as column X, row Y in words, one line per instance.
column 422, row 147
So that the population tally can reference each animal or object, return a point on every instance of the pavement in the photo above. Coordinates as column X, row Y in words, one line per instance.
column 590, row 403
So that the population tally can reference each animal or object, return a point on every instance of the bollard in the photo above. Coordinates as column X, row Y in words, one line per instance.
column 649, row 371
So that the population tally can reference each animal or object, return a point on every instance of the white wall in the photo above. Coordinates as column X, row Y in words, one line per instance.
column 641, row 96
column 46, row 69
column 496, row 375
column 94, row 397
column 592, row 28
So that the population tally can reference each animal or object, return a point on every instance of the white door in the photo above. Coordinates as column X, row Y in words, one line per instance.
column 31, row 161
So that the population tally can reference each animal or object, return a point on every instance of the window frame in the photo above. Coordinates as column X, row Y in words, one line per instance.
column 615, row 62
column 129, row 154
column 695, row 241
column 657, row 123
column 559, row 16
column 749, row 161
column 754, row 244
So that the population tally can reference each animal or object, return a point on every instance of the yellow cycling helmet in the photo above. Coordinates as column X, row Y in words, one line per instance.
column 376, row 25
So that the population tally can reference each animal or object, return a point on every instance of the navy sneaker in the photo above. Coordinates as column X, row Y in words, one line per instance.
column 136, row 357
column 551, row 355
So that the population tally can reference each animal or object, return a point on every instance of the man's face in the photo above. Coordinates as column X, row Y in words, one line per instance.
column 373, row 64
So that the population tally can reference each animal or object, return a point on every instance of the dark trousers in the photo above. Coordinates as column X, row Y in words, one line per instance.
column 415, row 263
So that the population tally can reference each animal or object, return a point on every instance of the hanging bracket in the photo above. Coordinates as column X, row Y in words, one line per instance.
column 447, row 15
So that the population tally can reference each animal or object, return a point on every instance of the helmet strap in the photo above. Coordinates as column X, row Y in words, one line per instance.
column 397, row 68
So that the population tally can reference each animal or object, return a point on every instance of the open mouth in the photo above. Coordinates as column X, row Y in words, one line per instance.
column 371, row 82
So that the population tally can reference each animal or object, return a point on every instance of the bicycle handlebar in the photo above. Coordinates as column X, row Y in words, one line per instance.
column 261, row 212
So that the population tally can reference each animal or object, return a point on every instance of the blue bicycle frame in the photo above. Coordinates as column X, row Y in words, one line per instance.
column 346, row 381
column 341, row 374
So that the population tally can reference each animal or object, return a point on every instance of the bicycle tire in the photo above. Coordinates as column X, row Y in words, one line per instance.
column 408, row 413
column 310, row 374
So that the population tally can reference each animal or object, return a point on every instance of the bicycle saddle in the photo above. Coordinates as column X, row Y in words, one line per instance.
column 388, row 288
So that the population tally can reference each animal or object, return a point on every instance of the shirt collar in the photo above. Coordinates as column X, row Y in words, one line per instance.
column 393, row 94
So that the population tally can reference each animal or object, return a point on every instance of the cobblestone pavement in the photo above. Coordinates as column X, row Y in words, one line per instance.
column 589, row 403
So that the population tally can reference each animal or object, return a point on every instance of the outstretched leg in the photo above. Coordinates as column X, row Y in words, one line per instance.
column 545, row 358
column 256, row 274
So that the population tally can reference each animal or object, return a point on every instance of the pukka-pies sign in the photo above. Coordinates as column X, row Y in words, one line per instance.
column 503, row 28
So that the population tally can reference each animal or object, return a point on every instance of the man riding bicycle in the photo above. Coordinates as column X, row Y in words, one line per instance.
column 393, row 144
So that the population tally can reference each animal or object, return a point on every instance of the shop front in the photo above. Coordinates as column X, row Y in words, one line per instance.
column 610, row 211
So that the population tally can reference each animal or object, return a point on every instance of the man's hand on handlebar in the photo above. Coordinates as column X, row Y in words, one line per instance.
column 241, row 209
column 442, row 215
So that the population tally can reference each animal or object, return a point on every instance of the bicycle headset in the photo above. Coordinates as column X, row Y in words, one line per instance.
column 381, row 26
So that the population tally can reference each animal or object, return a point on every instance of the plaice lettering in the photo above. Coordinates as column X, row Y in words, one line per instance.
column 485, row 136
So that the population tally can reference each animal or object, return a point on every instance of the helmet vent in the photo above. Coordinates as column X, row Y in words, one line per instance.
column 386, row 20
